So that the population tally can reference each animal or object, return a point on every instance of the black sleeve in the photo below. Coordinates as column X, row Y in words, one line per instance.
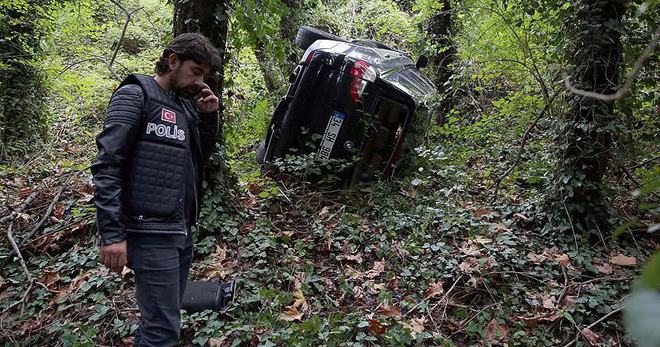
column 208, row 130
column 115, row 144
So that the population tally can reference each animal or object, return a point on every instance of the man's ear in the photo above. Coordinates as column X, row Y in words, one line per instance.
column 173, row 61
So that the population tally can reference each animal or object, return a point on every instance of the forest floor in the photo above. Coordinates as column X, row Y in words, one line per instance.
column 430, row 259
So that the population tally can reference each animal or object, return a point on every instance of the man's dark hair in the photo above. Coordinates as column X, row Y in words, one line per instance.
column 190, row 46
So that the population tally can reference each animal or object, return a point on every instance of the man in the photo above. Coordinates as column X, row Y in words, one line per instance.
column 157, row 134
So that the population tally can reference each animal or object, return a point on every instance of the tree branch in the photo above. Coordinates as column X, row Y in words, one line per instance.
column 595, row 323
column 129, row 14
column 623, row 91
column 523, row 142
column 21, row 207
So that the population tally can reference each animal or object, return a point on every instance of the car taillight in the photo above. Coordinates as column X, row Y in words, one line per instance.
column 309, row 57
column 362, row 73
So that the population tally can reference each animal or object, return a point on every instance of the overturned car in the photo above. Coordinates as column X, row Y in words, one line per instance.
column 354, row 101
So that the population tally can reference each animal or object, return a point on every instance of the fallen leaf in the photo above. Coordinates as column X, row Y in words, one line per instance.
column 435, row 289
column 482, row 212
column 352, row 273
column 58, row 210
column 469, row 248
column 351, row 257
column 390, row 310
column 483, row 240
column 623, row 260
column 496, row 332
column 500, row 227
column 468, row 265
column 376, row 327
column 217, row 342
column 535, row 258
column 49, row 278
column 416, row 326
column 563, row 259
column 377, row 288
column 73, row 287
column 296, row 310
column 521, row 217
column 593, row 338
column 549, row 301
column 379, row 267
column 605, row 268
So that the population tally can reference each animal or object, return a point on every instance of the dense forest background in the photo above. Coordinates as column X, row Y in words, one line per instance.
column 527, row 216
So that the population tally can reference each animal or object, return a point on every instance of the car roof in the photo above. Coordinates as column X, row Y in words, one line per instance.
column 393, row 67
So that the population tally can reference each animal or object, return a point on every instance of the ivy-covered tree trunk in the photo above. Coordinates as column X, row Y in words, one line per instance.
column 439, row 28
column 589, row 128
column 23, row 114
column 210, row 18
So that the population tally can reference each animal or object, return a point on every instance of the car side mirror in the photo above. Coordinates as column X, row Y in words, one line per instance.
column 422, row 61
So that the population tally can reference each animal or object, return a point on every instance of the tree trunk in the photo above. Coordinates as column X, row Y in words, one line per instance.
column 590, row 125
column 22, row 115
column 440, row 27
column 211, row 19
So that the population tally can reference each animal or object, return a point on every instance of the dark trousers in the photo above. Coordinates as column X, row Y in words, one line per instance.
column 161, row 264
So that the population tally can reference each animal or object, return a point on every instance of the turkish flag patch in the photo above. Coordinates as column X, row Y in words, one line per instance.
column 168, row 116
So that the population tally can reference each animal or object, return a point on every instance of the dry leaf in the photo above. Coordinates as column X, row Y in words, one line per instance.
column 500, row 227
column 605, row 268
column 416, row 326
column 352, row 273
column 376, row 327
column 217, row 342
column 563, row 259
column 496, row 332
column 468, row 265
column 535, row 258
column 520, row 216
column 49, row 278
column 483, row 240
column 390, row 310
column 549, row 301
column 623, row 260
column 296, row 310
column 435, row 289
column 379, row 267
column 352, row 257
column 469, row 248
column 593, row 338
column 482, row 212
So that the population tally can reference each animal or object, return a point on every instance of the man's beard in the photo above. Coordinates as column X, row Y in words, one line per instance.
column 187, row 92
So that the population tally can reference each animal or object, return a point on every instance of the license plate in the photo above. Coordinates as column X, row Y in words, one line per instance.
column 330, row 135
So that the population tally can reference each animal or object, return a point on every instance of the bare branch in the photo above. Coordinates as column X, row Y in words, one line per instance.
column 18, row 251
column 101, row 59
column 21, row 207
column 129, row 14
column 623, row 91
column 594, row 324
column 523, row 142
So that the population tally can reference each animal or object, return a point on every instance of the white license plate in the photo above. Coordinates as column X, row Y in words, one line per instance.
column 330, row 135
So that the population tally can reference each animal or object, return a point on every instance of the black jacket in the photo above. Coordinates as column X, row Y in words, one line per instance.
column 148, row 171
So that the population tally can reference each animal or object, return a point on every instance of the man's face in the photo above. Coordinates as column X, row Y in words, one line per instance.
column 187, row 77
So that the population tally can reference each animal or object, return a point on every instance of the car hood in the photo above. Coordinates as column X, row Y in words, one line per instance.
column 394, row 68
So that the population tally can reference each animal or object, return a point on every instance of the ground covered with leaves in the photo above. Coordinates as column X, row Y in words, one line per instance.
column 426, row 260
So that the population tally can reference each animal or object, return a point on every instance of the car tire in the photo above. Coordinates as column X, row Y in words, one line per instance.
column 261, row 153
column 308, row 35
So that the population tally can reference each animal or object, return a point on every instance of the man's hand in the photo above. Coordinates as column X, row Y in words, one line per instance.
column 114, row 256
column 207, row 102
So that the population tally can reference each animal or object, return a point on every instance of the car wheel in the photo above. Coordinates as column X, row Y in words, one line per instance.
column 308, row 35
column 261, row 153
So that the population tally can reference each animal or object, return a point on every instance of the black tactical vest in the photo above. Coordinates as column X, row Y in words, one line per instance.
column 153, row 194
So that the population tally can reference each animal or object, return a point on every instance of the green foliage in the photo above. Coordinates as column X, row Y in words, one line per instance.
column 23, row 117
